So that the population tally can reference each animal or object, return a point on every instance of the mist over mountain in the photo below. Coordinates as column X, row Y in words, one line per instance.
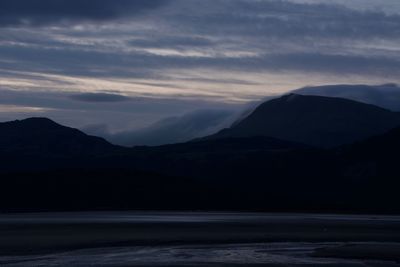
column 386, row 95
column 171, row 129
column 314, row 120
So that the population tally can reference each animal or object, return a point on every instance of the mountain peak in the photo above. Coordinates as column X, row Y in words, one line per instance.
column 42, row 136
column 385, row 95
column 32, row 123
column 294, row 97
column 290, row 97
column 314, row 120
column 39, row 121
column 316, row 103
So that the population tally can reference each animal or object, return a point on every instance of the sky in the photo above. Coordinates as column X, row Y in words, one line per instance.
column 120, row 65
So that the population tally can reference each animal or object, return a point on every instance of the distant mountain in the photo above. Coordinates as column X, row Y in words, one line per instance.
column 175, row 129
column 45, row 138
column 386, row 95
column 314, row 120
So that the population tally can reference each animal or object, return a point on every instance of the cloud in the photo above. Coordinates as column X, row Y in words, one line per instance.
column 178, row 56
column 177, row 42
column 172, row 129
column 238, row 35
column 387, row 6
column 28, row 12
column 21, row 109
column 274, row 18
column 100, row 97
column 146, row 65
column 115, row 116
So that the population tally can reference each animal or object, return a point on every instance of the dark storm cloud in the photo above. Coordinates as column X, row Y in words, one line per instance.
column 39, row 12
column 100, row 97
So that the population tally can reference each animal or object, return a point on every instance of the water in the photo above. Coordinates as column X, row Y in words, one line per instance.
column 198, row 239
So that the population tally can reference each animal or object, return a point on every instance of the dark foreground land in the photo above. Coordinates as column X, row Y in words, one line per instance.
column 198, row 239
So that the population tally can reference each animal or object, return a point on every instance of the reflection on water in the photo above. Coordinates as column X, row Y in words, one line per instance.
column 179, row 217
column 191, row 255
column 196, row 239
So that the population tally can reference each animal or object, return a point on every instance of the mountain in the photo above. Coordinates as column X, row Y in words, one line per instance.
column 80, row 172
column 386, row 95
column 45, row 138
column 314, row 120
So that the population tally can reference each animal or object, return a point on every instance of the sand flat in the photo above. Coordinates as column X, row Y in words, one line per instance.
column 198, row 239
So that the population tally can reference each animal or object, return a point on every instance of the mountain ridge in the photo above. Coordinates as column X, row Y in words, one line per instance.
column 231, row 173
column 385, row 95
column 314, row 120
column 38, row 136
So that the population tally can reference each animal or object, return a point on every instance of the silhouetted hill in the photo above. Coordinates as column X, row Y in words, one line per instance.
column 375, row 157
column 232, row 173
column 382, row 146
column 44, row 137
column 219, row 159
column 370, row 169
column 314, row 120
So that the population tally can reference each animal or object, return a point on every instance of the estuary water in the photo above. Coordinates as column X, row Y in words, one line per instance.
column 198, row 239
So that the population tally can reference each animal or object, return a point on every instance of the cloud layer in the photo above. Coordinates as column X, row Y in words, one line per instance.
column 172, row 129
column 127, row 62
column 43, row 12
column 99, row 97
